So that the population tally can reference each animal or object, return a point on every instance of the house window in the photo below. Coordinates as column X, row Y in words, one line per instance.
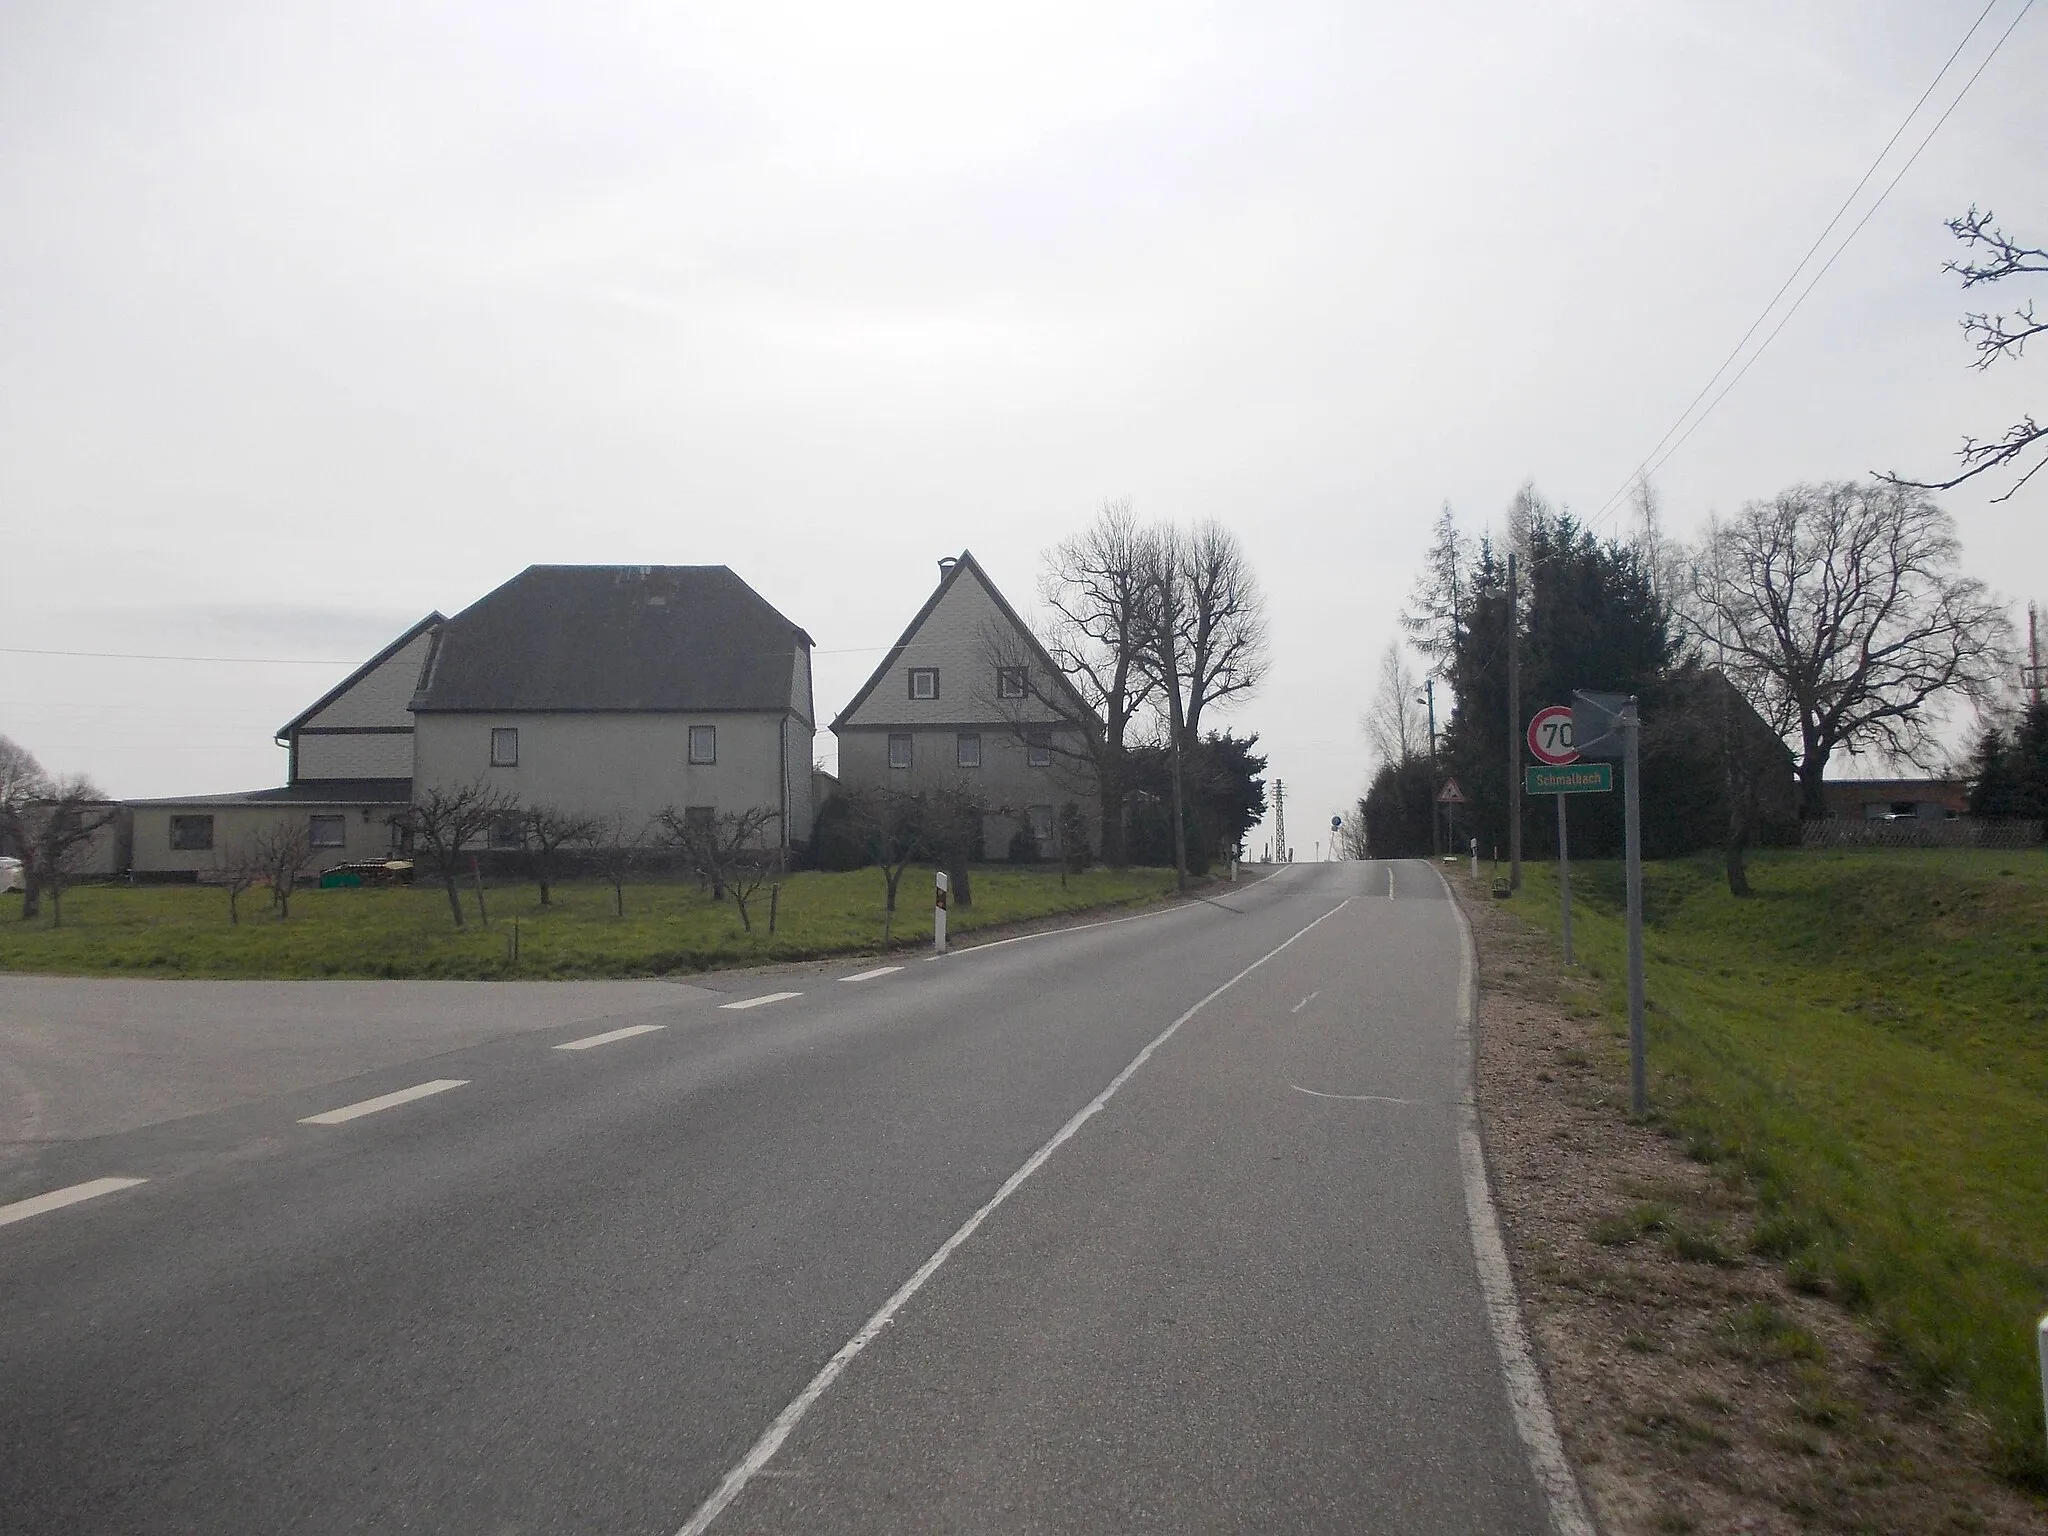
column 703, row 743
column 1038, row 752
column 327, row 831
column 899, row 749
column 505, row 746
column 192, row 834
column 699, row 821
column 507, row 831
column 967, row 749
column 1041, row 825
column 1012, row 682
column 924, row 682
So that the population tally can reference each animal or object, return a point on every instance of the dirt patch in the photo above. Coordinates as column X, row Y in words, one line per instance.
column 1697, row 1388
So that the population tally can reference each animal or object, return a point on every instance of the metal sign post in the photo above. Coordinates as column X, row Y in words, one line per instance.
column 1550, row 740
column 1609, row 725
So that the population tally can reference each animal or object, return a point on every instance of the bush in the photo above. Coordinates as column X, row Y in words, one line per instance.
column 1024, row 847
column 834, row 843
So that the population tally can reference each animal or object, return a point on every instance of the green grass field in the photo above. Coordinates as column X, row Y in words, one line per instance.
column 1867, row 1037
column 183, row 930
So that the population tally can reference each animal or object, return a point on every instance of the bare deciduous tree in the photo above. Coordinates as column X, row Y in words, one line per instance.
column 445, row 821
column 60, row 827
column 282, row 851
column 1095, row 586
column 616, row 844
column 731, row 847
column 235, row 871
column 547, row 830
column 1396, row 727
column 1995, row 257
column 1222, row 623
column 23, row 785
column 1840, row 611
column 889, row 826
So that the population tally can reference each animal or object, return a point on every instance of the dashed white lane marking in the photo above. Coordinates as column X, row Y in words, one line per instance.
column 386, row 1101
column 764, row 1449
column 1390, row 882
column 1526, row 1395
column 1306, row 1001
column 765, row 997
column 609, row 1036
column 880, row 970
column 57, row 1199
column 1358, row 1098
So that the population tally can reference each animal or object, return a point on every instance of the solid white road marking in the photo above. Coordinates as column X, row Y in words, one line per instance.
column 609, row 1036
column 1358, row 1098
column 1497, row 1281
column 880, row 970
column 386, row 1101
column 57, row 1199
column 771, row 1439
column 1306, row 1001
column 765, row 997
column 1107, row 922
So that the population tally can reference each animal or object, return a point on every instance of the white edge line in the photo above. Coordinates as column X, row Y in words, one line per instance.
column 880, row 970
column 765, row 997
column 1107, row 922
column 764, row 1449
column 1526, row 1394
column 609, row 1036
column 57, row 1199
column 385, row 1101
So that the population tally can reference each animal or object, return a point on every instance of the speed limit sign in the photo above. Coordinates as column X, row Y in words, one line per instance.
column 1550, row 736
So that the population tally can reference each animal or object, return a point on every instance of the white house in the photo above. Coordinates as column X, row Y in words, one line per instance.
column 622, row 690
column 968, row 696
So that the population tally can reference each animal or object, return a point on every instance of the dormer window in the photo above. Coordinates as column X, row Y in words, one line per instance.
column 924, row 682
column 1012, row 682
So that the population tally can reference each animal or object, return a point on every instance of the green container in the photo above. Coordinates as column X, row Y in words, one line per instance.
column 336, row 879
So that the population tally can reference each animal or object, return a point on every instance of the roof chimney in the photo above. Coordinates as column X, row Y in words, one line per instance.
column 946, row 564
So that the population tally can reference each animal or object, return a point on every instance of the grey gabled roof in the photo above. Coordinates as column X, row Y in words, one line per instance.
column 966, row 565
column 615, row 637
column 359, row 674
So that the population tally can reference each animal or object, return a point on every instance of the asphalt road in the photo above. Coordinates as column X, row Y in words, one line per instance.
column 573, row 1289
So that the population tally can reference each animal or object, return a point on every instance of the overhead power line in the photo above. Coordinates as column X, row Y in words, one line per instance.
column 1659, row 454
column 302, row 661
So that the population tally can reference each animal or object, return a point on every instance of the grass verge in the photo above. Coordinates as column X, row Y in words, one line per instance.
column 1867, row 1038
column 112, row 930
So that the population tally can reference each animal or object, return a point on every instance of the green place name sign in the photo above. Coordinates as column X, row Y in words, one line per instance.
column 1578, row 779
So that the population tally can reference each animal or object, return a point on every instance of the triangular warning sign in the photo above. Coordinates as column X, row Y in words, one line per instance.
column 1450, row 794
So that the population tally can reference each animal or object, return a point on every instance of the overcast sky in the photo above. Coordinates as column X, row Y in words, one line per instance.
column 315, row 318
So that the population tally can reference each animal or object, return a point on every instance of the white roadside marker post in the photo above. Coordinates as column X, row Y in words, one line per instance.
column 1475, row 858
column 939, row 916
column 2041, row 1339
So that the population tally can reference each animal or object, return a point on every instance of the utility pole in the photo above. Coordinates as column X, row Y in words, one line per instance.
column 1514, row 733
column 2034, row 681
column 1280, row 821
column 1175, row 724
column 1436, row 819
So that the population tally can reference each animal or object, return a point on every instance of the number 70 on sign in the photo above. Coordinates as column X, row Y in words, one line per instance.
column 1550, row 736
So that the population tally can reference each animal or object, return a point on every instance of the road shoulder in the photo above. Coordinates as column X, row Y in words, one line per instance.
column 1695, row 1388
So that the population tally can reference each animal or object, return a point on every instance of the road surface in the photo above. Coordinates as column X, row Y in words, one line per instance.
column 1154, row 1225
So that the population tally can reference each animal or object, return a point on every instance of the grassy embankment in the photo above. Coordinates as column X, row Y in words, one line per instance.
column 1867, row 1037
column 184, row 930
